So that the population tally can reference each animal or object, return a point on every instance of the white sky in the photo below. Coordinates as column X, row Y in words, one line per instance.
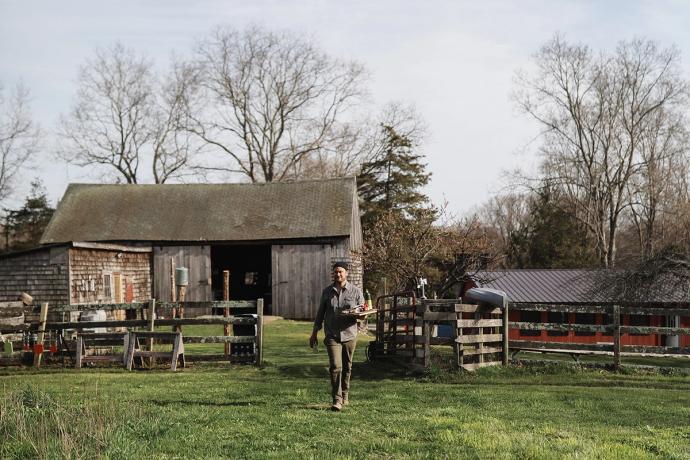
column 454, row 60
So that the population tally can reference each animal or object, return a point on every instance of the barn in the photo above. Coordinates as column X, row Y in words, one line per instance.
column 277, row 240
column 576, row 287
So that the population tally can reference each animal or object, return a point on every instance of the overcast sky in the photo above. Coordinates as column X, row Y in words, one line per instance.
column 453, row 60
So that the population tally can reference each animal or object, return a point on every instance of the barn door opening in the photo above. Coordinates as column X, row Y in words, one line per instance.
column 250, row 272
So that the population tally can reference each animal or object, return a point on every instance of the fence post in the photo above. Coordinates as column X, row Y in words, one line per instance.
column 151, row 318
column 426, row 328
column 616, row 337
column 259, row 331
column 505, row 333
column 180, row 311
column 38, row 351
column 172, row 281
column 226, row 310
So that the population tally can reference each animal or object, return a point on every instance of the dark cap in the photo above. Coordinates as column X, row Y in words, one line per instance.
column 341, row 264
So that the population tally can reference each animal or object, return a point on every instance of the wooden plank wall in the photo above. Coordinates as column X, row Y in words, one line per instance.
column 356, row 238
column 87, row 267
column 42, row 273
column 301, row 272
column 196, row 258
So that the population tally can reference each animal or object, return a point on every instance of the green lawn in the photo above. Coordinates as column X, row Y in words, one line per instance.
column 281, row 410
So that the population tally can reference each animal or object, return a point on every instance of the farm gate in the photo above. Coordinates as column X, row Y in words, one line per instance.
column 408, row 328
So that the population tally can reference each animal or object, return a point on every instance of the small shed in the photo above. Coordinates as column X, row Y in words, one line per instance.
column 77, row 273
column 277, row 240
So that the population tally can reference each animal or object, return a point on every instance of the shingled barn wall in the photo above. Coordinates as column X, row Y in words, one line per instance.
column 88, row 267
column 41, row 273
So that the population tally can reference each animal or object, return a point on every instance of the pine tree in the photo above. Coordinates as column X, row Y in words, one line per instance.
column 552, row 237
column 24, row 227
column 391, row 182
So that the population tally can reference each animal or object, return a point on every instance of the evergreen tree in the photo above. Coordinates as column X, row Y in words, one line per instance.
column 391, row 182
column 552, row 238
column 24, row 227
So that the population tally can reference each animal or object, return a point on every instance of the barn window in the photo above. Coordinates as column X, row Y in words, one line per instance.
column 584, row 318
column 107, row 288
column 251, row 278
column 530, row 317
column 557, row 317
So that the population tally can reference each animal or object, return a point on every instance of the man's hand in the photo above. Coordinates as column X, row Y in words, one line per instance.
column 312, row 339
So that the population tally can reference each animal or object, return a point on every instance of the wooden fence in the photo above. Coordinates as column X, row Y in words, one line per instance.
column 615, row 329
column 147, row 315
column 408, row 329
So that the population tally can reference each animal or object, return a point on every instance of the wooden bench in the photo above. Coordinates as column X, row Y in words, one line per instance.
column 102, row 339
column 134, row 348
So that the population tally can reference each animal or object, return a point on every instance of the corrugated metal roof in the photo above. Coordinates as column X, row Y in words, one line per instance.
column 204, row 212
column 573, row 286
column 541, row 285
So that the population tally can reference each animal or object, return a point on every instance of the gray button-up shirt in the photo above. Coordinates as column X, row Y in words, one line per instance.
column 333, row 301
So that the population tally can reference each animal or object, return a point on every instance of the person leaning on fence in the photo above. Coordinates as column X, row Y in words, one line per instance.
column 340, row 330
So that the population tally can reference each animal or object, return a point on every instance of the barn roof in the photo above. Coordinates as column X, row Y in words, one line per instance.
column 540, row 285
column 204, row 212
column 572, row 286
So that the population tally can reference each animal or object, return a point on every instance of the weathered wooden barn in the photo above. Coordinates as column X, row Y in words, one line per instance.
column 77, row 273
column 576, row 287
column 278, row 240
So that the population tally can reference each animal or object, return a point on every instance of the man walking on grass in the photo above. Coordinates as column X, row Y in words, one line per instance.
column 341, row 331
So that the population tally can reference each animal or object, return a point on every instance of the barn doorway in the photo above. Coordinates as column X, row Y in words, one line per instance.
column 250, row 272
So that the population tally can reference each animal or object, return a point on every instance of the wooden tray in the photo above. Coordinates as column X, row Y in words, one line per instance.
column 359, row 314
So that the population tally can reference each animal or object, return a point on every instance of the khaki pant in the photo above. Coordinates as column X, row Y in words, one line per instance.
column 340, row 360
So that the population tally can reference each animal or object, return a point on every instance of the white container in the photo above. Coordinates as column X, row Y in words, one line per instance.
column 93, row 316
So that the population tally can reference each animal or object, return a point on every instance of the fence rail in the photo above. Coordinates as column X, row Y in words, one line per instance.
column 160, row 306
column 614, row 329
column 13, row 320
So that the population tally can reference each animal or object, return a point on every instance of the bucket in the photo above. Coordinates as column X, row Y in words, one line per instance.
column 182, row 276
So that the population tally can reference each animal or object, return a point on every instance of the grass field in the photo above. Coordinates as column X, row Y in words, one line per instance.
column 281, row 410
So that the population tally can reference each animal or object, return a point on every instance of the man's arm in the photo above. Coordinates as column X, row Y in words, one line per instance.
column 318, row 322
column 360, row 297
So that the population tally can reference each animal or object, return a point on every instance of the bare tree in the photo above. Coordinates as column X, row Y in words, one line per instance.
column 430, row 245
column 173, row 147
column 274, row 100
column 506, row 214
column 19, row 136
column 596, row 111
column 659, row 192
column 363, row 141
column 124, row 116
column 401, row 249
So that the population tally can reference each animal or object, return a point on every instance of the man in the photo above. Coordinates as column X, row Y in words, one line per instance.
column 341, row 331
